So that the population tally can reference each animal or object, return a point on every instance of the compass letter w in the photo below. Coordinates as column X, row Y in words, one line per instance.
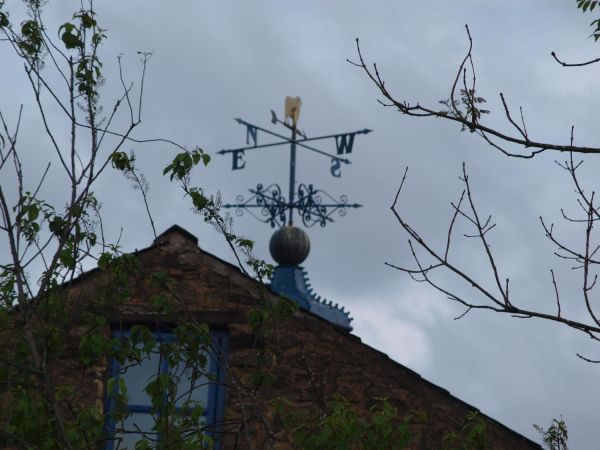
column 344, row 143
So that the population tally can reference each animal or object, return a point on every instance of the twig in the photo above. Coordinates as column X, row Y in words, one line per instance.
column 556, row 290
column 564, row 64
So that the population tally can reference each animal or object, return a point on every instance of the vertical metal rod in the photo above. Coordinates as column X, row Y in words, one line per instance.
column 292, row 174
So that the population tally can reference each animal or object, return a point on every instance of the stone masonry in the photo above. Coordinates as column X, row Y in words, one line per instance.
column 217, row 293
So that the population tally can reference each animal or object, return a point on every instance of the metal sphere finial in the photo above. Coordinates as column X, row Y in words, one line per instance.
column 289, row 245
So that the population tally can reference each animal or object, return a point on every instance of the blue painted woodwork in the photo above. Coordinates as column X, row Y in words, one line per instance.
column 212, row 395
column 293, row 282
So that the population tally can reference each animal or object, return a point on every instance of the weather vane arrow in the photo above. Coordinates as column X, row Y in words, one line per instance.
column 313, row 205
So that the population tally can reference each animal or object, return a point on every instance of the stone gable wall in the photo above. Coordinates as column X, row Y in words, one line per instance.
column 218, row 294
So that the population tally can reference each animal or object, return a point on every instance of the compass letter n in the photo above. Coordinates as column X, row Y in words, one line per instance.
column 343, row 145
column 251, row 133
column 238, row 156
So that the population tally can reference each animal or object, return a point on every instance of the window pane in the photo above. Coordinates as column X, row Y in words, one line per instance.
column 200, row 385
column 137, row 378
column 144, row 423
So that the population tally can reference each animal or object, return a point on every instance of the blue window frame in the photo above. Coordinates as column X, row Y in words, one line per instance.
column 211, row 394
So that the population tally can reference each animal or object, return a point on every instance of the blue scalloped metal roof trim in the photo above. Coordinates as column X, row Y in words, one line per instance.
column 293, row 282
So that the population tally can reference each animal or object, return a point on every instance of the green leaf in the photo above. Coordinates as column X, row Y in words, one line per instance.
column 110, row 385
column 55, row 224
column 104, row 260
column 70, row 40
column 122, row 386
column 32, row 212
column 157, row 401
column 142, row 445
column 68, row 27
column 148, row 347
column 3, row 20
column 66, row 257
column 87, row 21
column 121, row 161
column 187, row 161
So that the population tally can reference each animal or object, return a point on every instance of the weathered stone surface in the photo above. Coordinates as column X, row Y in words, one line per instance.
column 340, row 362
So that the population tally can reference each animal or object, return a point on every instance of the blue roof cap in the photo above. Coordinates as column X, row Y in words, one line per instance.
column 293, row 282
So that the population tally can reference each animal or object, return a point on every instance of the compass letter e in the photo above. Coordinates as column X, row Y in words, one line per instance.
column 238, row 156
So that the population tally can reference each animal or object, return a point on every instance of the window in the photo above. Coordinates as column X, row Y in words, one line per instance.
column 137, row 377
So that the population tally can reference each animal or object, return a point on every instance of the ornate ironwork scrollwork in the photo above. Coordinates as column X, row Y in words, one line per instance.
column 270, row 201
column 310, row 204
column 313, row 210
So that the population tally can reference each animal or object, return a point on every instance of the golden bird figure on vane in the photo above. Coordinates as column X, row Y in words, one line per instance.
column 292, row 110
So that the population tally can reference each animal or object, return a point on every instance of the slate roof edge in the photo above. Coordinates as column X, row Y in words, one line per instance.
column 439, row 388
column 348, row 334
column 135, row 252
column 178, row 229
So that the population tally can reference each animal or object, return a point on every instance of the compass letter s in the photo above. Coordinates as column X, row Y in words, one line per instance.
column 336, row 170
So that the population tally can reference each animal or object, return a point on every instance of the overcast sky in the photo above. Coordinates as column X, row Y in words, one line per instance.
column 215, row 61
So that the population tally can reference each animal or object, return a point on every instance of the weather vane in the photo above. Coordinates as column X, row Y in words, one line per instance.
column 313, row 205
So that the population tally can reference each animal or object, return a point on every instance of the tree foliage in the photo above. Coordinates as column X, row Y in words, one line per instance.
column 556, row 436
column 42, row 317
column 463, row 106
column 432, row 262
column 341, row 426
